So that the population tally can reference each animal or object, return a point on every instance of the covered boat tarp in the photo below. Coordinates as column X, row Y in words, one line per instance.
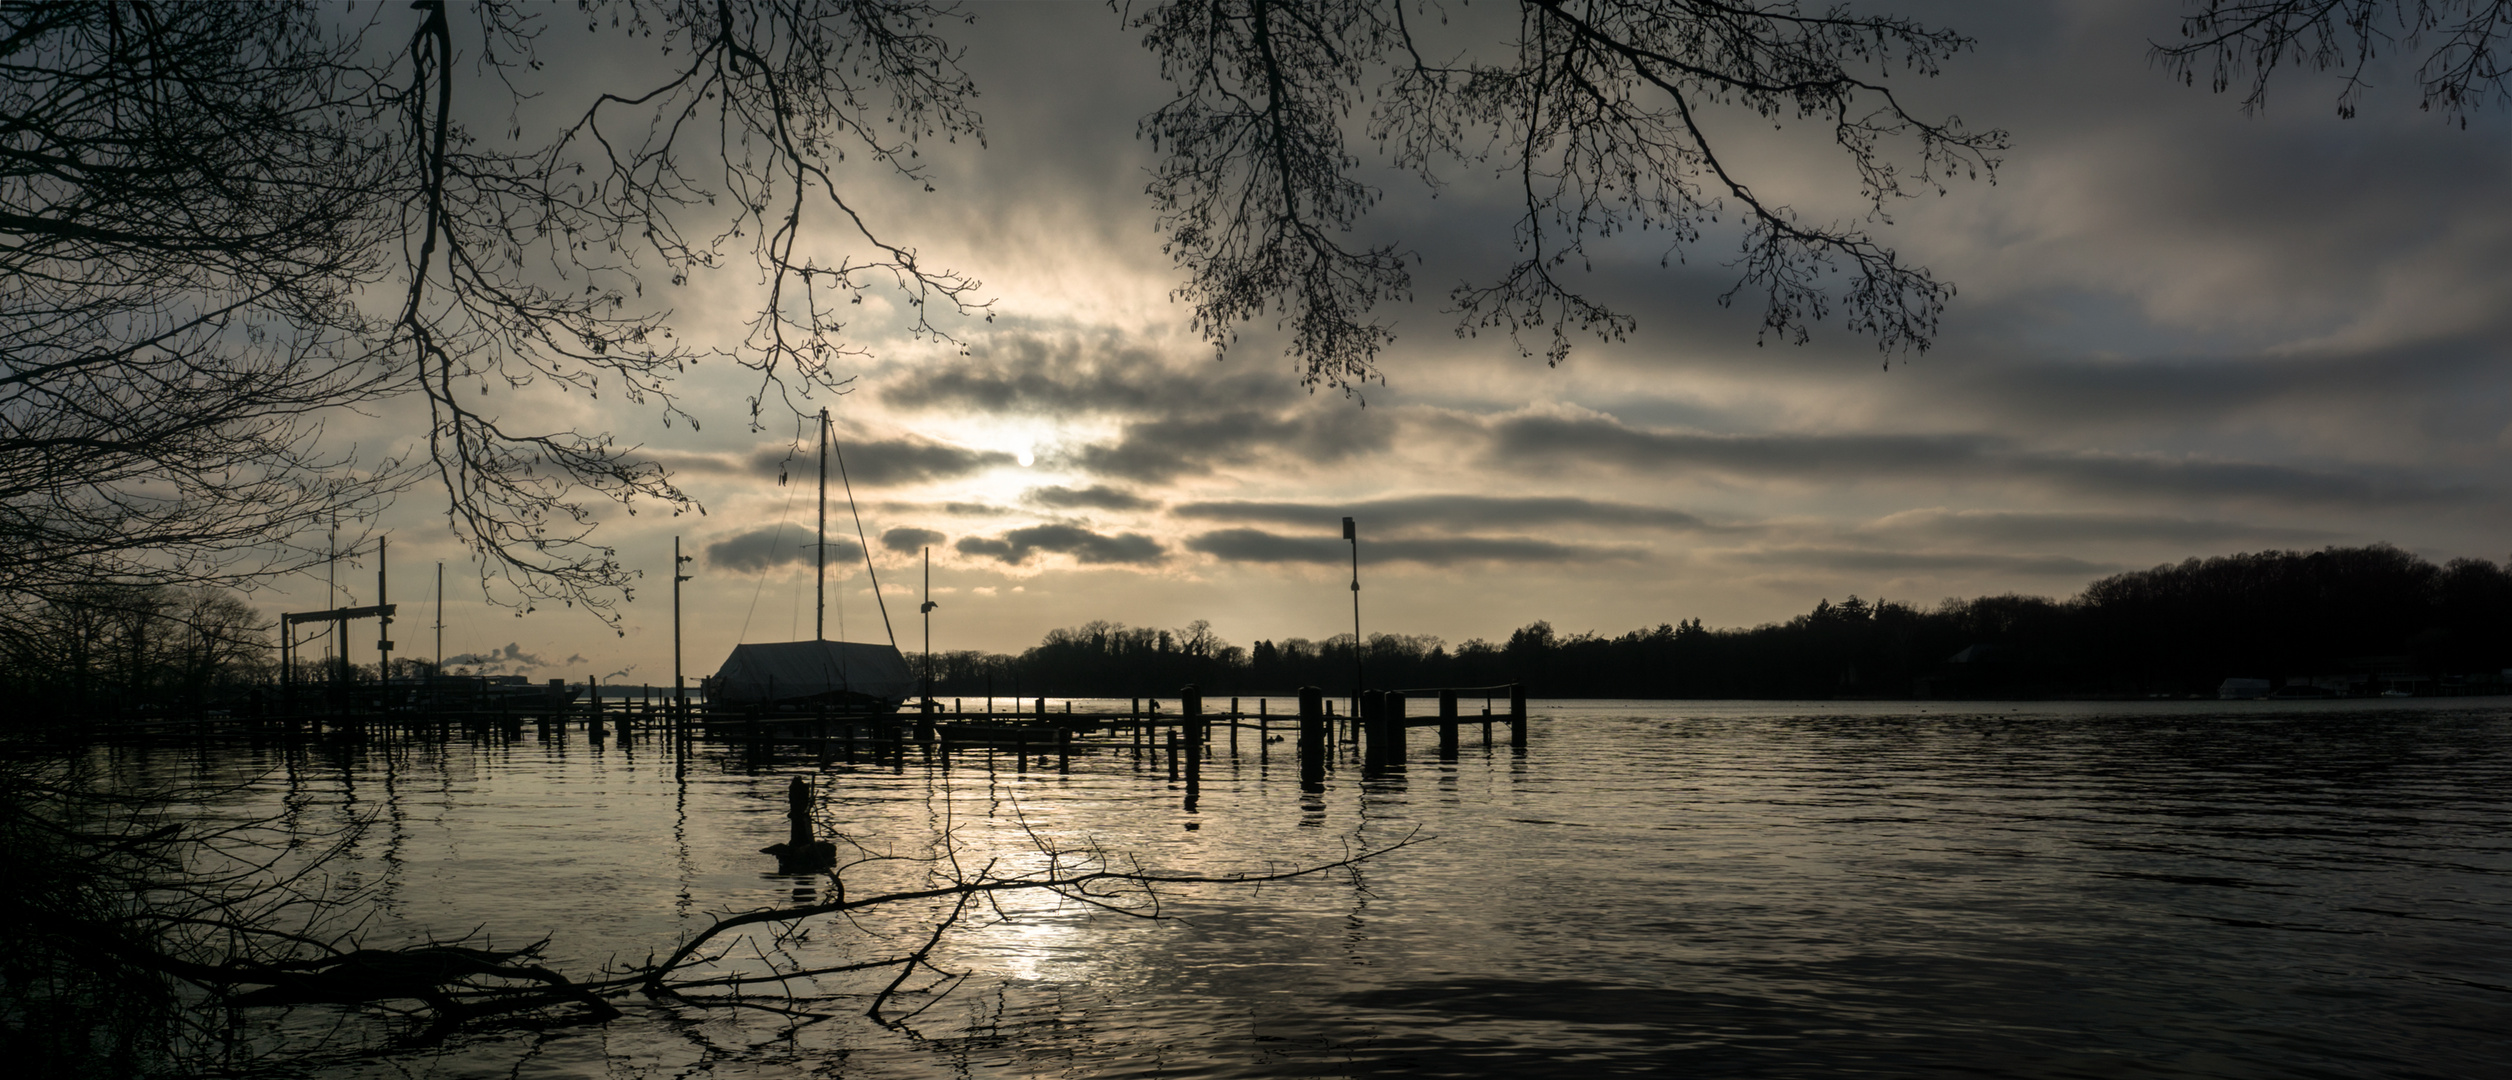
column 793, row 670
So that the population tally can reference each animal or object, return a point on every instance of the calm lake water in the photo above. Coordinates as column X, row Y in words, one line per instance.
column 2193, row 889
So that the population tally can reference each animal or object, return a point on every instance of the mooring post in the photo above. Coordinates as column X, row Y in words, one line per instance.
column 1517, row 715
column 1064, row 750
column 1042, row 710
column 798, row 813
column 1391, row 715
column 1448, row 724
column 1191, row 717
column 1173, row 755
column 593, row 686
column 1312, row 739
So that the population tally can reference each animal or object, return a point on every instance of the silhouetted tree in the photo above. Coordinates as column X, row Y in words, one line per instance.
column 113, row 646
column 220, row 224
column 2244, row 42
column 1598, row 111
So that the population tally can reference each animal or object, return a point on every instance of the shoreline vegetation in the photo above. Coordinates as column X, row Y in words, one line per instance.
column 2331, row 623
column 2339, row 622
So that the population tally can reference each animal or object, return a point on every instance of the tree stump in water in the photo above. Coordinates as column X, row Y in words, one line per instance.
column 800, row 853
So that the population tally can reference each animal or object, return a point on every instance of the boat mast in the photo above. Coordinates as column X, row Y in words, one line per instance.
column 820, row 571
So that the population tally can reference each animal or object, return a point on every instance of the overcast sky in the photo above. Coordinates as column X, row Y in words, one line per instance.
column 2180, row 332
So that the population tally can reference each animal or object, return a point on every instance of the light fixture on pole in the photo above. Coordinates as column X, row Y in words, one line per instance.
column 1352, row 533
column 680, row 690
column 927, row 609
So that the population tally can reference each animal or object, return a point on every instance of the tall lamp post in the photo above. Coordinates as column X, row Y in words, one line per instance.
column 927, row 610
column 680, row 689
column 1352, row 533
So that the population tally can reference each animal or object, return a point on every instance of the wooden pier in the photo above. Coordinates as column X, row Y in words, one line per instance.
column 1031, row 732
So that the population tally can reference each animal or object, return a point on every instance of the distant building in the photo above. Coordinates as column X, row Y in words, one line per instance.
column 2242, row 689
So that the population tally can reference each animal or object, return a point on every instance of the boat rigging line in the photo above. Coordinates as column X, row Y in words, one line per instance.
column 860, row 539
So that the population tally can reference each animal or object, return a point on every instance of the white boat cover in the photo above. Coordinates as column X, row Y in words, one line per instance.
column 782, row 670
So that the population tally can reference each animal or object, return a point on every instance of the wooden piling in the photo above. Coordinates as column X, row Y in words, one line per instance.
column 1191, row 718
column 1392, row 717
column 1448, row 724
column 1517, row 715
column 1373, row 706
column 1312, row 739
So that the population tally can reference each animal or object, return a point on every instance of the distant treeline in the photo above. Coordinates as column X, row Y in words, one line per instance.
column 2359, row 619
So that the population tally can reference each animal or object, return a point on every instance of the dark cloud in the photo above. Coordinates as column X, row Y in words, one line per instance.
column 1094, row 497
column 870, row 462
column 1259, row 546
column 511, row 660
column 1032, row 374
column 2144, row 392
column 1879, row 561
column 1178, row 419
column 760, row 549
column 686, row 463
column 1552, row 442
column 955, row 509
column 1451, row 511
column 2039, row 529
column 888, row 462
column 1316, row 432
column 910, row 540
column 1084, row 545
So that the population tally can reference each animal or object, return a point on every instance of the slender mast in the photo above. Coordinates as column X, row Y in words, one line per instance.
column 440, row 618
column 820, row 551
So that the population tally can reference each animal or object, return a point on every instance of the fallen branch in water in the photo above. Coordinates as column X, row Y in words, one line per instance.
column 1079, row 874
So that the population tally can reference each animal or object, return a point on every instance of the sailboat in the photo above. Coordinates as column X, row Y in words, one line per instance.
column 841, row 676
